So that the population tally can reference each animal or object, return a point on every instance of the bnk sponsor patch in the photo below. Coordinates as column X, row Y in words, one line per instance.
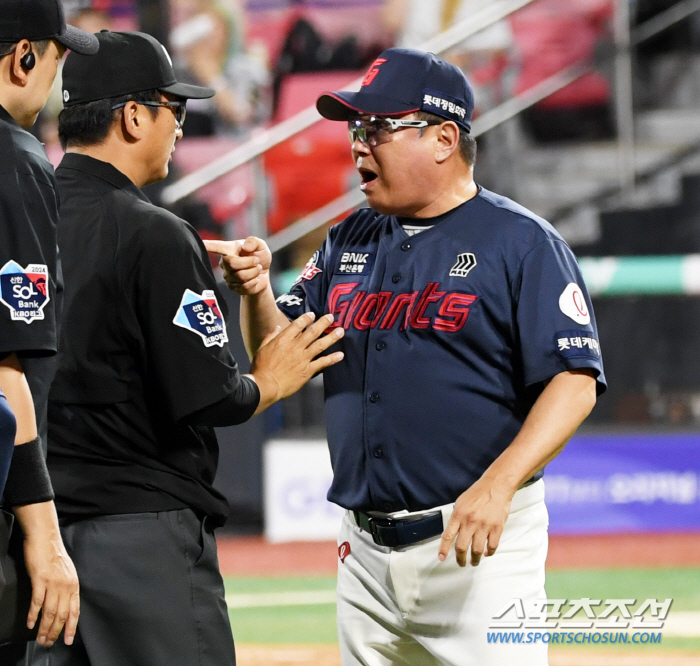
column 354, row 263
column 24, row 291
column 201, row 315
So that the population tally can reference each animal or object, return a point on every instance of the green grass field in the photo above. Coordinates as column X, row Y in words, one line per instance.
column 315, row 623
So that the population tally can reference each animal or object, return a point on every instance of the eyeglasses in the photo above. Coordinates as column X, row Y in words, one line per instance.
column 179, row 106
column 374, row 131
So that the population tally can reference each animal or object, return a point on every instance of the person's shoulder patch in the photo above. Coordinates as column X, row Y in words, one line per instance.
column 25, row 291
column 311, row 270
column 201, row 315
column 573, row 304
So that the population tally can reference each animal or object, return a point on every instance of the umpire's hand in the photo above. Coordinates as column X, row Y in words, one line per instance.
column 288, row 358
column 55, row 590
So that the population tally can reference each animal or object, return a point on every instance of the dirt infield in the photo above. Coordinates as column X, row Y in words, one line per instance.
column 328, row 655
column 253, row 556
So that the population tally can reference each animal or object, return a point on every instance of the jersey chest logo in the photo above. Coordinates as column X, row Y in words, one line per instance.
column 428, row 309
column 466, row 261
column 201, row 315
column 24, row 290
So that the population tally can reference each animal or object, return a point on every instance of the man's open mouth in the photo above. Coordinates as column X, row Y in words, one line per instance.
column 367, row 176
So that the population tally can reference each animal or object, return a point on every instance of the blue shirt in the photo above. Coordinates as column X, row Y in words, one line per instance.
column 450, row 335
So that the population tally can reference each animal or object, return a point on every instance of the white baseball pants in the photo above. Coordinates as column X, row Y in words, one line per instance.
column 402, row 606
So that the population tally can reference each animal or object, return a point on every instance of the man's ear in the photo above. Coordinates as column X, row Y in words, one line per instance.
column 20, row 74
column 447, row 141
column 133, row 121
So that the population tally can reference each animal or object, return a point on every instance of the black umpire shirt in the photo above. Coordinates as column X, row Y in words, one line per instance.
column 143, row 347
column 30, row 272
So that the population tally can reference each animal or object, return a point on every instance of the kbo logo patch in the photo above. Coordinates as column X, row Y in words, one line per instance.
column 201, row 315
column 24, row 290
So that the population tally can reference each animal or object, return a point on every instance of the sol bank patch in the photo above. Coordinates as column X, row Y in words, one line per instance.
column 201, row 315
column 24, row 291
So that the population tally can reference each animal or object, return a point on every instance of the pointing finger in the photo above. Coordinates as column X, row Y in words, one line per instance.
column 225, row 248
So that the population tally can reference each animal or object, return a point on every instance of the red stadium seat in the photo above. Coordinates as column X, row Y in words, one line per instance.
column 314, row 167
column 551, row 35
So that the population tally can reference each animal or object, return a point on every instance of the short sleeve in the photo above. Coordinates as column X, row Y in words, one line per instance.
column 182, row 318
column 309, row 292
column 556, row 326
column 28, row 282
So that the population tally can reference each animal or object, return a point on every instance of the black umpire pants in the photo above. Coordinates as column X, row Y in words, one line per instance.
column 150, row 594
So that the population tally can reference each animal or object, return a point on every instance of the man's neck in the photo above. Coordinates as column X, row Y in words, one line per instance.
column 10, row 105
column 120, row 159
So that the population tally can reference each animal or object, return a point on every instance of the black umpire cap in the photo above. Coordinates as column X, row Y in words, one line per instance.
column 127, row 62
column 36, row 20
column 402, row 81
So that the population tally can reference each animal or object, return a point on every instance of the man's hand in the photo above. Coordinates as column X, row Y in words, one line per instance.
column 478, row 519
column 287, row 359
column 246, row 264
column 55, row 589
column 481, row 512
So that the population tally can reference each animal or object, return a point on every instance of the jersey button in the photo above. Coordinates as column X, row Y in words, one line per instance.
column 374, row 397
column 380, row 345
column 405, row 246
column 378, row 453
column 396, row 278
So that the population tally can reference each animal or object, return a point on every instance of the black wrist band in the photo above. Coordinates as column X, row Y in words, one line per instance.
column 28, row 481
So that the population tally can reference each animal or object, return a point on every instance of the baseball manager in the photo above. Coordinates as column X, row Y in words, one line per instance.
column 471, row 357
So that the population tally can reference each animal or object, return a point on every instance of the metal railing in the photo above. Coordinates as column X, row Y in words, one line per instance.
column 266, row 139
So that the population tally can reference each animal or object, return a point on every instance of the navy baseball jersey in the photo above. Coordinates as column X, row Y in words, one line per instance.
column 450, row 336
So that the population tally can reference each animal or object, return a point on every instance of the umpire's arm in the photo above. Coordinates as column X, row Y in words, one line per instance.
column 480, row 513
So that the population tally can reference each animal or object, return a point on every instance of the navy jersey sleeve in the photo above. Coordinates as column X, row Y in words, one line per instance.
column 309, row 292
column 182, row 319
column 556, row 326
column 28, row 215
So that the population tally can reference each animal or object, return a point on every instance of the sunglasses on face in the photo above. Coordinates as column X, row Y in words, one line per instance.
column 179, row 106
column 374, row 131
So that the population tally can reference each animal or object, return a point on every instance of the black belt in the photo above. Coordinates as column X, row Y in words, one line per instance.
column 393, row 532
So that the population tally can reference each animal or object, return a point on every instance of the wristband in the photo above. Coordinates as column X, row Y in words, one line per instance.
column 28, row 481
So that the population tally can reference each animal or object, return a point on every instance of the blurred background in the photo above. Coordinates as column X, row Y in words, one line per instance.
column 588, row 113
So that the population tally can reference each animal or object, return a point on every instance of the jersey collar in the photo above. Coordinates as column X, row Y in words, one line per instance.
column 102, row 170
column 5, row 115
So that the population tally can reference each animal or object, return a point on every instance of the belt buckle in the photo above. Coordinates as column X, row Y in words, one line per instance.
column 374, row 523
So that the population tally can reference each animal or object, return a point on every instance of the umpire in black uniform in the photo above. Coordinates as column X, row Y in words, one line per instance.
column 33, row 38
column 144, row 373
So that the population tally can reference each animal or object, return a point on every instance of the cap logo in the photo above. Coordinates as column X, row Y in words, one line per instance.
column 167, row 55
column 445, row 105
column 66, row 95
column 373, row 71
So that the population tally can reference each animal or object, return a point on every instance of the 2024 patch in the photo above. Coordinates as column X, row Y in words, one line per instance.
column 25, row 291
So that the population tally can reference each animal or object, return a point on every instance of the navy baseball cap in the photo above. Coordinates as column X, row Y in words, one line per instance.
column 127, row 62
column 402, row 81
column 36, row 20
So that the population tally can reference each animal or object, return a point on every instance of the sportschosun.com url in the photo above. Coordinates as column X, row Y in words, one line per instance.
column 580, row 637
